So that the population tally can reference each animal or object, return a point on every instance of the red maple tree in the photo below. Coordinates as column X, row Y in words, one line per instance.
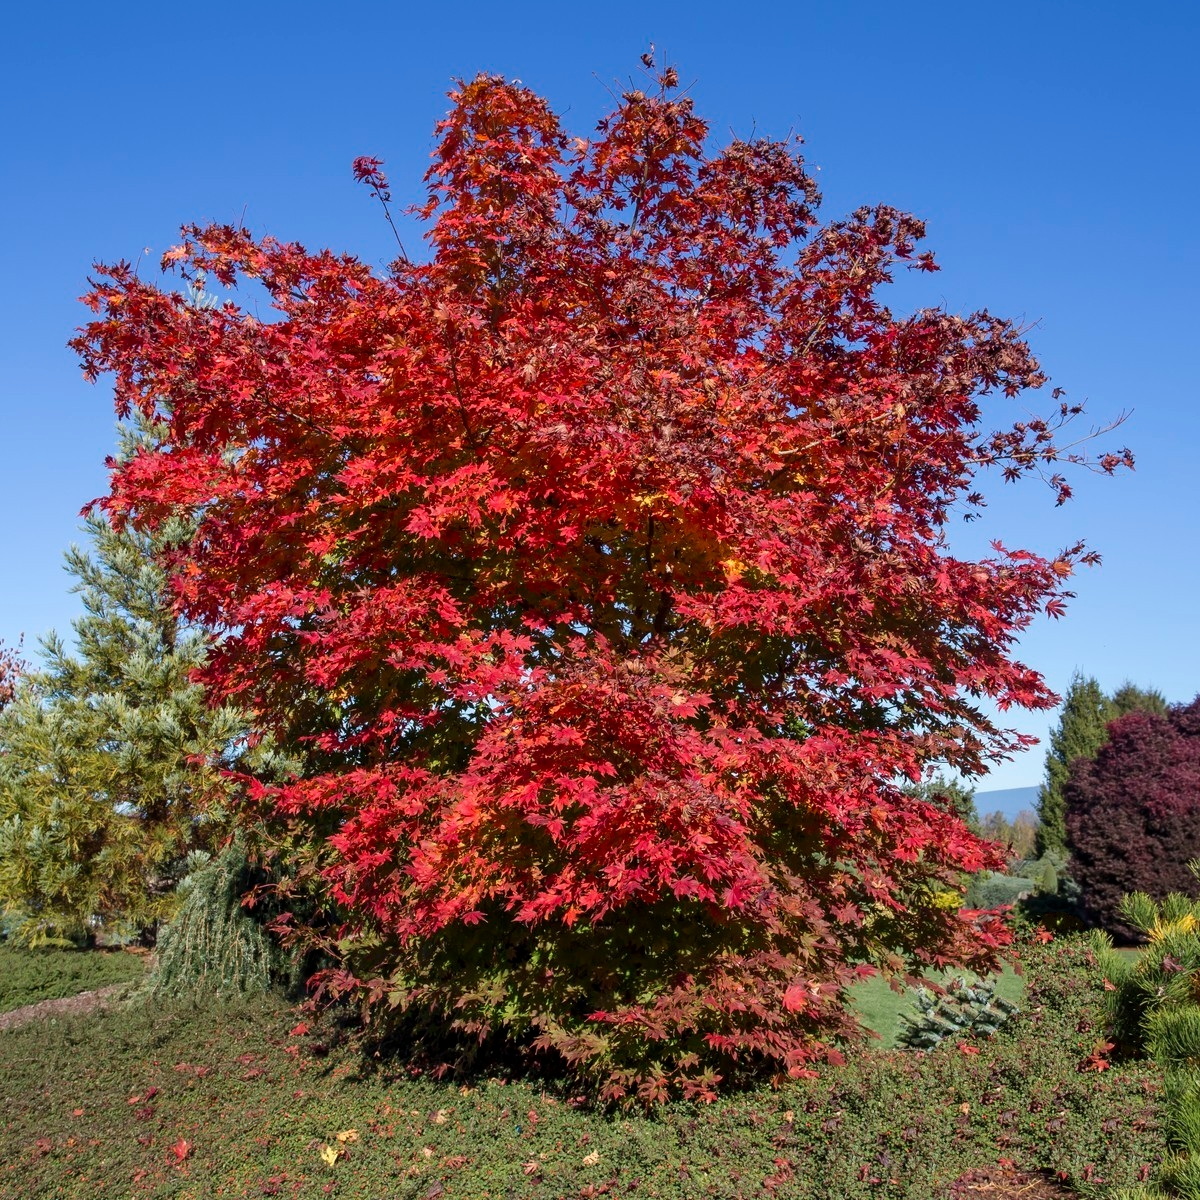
column 598, row 563
column 11, row 669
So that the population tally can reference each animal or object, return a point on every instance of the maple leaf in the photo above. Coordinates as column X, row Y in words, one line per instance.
column 795, row 998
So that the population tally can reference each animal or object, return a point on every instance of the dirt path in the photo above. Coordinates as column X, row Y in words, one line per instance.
column 68, row 1006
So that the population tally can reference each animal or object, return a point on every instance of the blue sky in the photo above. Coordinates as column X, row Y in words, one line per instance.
column 1050, row 146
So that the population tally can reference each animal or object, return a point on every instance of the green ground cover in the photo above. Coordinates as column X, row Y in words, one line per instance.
column 238, row 1100
column 28, row 976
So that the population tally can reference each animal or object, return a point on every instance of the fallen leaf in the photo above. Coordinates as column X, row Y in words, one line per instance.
column 347, row 1135
column 330, row 1154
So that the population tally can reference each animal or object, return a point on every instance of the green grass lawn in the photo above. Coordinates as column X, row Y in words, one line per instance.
column 27, row 976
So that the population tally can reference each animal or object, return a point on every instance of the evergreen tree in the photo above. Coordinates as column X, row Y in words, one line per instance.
column 110, row 756
column 1131, row 698
column 952, row 794
column 1082, row 729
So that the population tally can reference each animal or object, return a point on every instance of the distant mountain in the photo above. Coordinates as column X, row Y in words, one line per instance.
column 1009, row 801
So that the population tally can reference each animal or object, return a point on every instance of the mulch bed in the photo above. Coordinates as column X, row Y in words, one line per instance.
column 1007, row 1182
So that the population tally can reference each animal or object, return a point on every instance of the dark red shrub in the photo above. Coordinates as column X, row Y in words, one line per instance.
column 1133, row 812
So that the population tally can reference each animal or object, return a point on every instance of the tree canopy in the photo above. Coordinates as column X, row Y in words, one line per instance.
column 598, row 562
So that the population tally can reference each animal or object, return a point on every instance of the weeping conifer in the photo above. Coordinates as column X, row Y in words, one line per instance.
column 213, row 944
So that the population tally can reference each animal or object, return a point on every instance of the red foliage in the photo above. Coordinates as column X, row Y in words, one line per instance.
column 11, row 669
column 1133, row 812
column 598, row 562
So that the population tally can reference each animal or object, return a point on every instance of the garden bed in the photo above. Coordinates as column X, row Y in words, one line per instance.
column 246, row 1100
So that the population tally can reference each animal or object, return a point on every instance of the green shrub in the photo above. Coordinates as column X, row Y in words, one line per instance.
column 1152, row 1006
column 1173, row 1035
column 991, row 889
column 1180, row 1176
column 1166, row 976
column 1181, row 1094
column 964, row 1010
column 214, row 944
column 256, row 1099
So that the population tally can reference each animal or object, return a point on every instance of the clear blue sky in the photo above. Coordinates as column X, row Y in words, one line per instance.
column 1050, row 146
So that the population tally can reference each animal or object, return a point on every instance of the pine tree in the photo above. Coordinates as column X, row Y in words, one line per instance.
column 1131, row 698
column 952, row 794
column 110, row 755
column 1081, row 731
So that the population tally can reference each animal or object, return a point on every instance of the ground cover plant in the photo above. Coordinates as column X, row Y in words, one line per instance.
column 245, row 1099
column 595, row 564
column 30, row 976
